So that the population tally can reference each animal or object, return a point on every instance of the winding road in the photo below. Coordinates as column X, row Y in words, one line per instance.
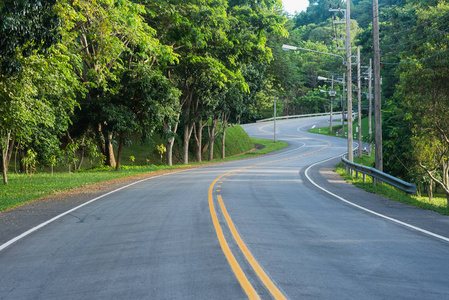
column 279, row 226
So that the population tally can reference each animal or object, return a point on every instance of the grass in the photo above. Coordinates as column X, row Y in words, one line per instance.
column 237, row 141
column 336, row 130
column 23, row 188
column 438, row 204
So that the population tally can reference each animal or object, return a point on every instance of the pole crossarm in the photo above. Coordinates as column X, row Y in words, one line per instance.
column 288, row 47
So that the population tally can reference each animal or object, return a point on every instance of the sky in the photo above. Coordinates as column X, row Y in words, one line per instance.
column 295, row 5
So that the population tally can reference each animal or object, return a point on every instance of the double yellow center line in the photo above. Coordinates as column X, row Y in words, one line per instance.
column 239, row 273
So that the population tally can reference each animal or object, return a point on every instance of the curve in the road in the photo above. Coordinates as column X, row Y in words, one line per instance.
column 240, row 275
column 369, row 210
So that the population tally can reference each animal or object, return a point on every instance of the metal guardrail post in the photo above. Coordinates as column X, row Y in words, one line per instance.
column 409, row 188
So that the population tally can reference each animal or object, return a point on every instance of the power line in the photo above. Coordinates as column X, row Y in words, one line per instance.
column 419, row 25
column 422, row 39
column 415, row 61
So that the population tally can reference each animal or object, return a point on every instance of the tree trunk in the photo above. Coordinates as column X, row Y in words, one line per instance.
column 4, row 169
column 188, row 128
column 110, row 157
column 223, row 141
column 211, row 149
column 15, row 156
column 430, row 190
column 5, row 151
column 212, row 137
column 22, row 155
column 101, row 140
column 171, row 140
column 185, row 144
column 170, row 143
column 83, row 149
column 106, row 146
column 199, row 139
column 205, row 148
column 224, row 126
column 10, row 151
column 446, row 180
column 119, row 152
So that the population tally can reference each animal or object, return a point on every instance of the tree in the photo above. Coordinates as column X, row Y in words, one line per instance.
column 40, row 97
column 25, row 26
column 107, row 38
column 145, row 98
column 191, row 28
column 422, row 92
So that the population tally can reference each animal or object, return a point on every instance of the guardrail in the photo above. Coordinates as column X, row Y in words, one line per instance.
column 299, row 116
column 409, row 188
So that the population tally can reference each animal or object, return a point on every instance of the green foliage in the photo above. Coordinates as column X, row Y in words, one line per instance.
column 70, row 155
column 25, row 26
column 422, row 103
column 30, row 161
column 161, row 150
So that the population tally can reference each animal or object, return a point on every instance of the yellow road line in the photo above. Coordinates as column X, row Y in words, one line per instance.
column 277, row 294
column 240, row 275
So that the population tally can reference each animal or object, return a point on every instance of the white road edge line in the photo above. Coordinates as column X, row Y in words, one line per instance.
column 19, row 237
column 368, row 210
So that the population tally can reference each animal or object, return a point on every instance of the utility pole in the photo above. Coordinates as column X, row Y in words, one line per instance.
column 332, row 94
column 343, row 108
column 377, row 99
column 341, row 39
column 349, row 78
column 274, row 113
column 359, row 103
column 370, row 109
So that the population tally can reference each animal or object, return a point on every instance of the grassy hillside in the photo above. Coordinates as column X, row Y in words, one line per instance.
column 237, row 141
column 336, row 130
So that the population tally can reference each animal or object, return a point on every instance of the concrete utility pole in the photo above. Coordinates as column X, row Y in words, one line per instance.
column 332, row 94
column 370, row 109
column 359, row 103
column 349, row 78
column 274, row 114
column 343, row 108
column 377, row 98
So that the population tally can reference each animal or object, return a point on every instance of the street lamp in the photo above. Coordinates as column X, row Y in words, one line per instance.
column 348, row 71
column 332, row 94
column 288, row 47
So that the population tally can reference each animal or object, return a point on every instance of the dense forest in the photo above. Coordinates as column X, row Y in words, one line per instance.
column 80, row 78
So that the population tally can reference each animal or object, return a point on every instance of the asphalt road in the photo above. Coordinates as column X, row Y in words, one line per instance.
column 266, row 227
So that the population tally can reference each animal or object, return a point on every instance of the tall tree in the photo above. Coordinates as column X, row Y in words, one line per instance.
column 423, row 91
column 107, row 37
column 25, row 27
column 42, row 96
column 144, row 99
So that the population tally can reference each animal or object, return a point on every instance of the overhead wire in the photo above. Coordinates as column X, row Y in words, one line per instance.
column 422, row 39
column 438, row 37
column 415, row 61
column 422, row 24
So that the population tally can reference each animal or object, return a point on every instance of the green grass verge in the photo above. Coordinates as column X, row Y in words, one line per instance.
column 438, row 204
column 23, row 188
column 336, row 130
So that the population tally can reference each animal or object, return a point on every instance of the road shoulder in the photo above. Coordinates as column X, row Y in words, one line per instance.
column 324, row 176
